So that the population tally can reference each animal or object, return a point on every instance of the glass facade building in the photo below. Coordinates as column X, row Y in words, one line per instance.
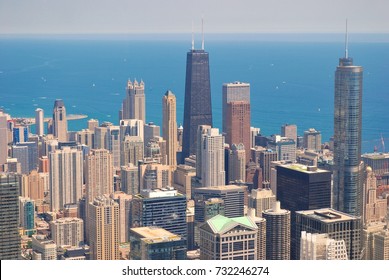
column 348, row 181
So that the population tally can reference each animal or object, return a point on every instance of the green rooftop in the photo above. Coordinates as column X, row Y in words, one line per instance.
column 219, row 222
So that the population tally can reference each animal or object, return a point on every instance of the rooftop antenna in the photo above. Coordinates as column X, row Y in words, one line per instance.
column 192, row 37
column 202, row 32
column 346, row 44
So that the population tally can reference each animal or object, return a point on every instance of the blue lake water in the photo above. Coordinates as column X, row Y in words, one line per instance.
column 291, row 82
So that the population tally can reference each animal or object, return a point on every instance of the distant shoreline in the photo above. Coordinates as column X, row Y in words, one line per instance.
column 31, row 121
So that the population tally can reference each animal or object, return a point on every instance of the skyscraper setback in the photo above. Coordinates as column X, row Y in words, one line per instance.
column 348, row 181
column 134, row 106
column 197, row 107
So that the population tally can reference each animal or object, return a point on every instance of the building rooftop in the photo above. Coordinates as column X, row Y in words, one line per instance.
column 222, row 188
column 327, row 215
column 155, row 234
column 376, row 155
column 221, row 223
column 157, row 193
column 304, row 168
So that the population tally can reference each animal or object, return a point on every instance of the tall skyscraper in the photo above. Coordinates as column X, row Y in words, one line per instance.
column 236, row 114
column 348, row 170
column 66, row 177
column 9, row 216
column 277, row 232
column 302, row 188
column 198, row 106
column 98, row 174
column 131, row 150
column 39, row 122
column 60, row 123
column 133, row 106
column 104, row 228
column 3, row 137
column 27, row 215
column 212, row 158
column 129, row 175
column 169, row 127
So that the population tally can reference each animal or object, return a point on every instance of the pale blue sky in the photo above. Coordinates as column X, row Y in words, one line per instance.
column 175, row 16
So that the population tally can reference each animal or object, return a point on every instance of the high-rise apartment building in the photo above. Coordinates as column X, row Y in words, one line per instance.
column 39, row 122
column 265, row 159
column 169, row 126
column 198, row 105
column 104, row 229
column 124, row 201
column 131, row 150
column 301, row 187
column 182, row 179
column 150, row 131
column 98, row 173
column 131, row 127
column 60, row 123
column 9, row 216
column 236, row 114
column 165, row 208
column 3, row 137
column 129, row 175
column 348, row 170
column 134, row 105
column 66, row 177
column 67, row 231
column 212, row 158
column 285, row 148
column 153, row 175
column 337, row 225
column 312, row 139
column 277, row 232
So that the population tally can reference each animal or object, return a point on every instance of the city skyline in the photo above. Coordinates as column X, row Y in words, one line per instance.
column 147, row 189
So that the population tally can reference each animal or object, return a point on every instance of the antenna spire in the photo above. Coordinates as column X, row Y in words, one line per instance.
column 346, row 44
column 192, row 36
column 202, row 32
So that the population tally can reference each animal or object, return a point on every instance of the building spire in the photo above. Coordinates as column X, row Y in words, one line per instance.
column 346, row 43
column 192, row 37
column 202, row 32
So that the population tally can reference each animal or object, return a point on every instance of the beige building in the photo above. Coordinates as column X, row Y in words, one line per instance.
column 312, row 139
column 123, row 200
column 39, row 122
column 67, row 231
column 237, row 163
column 374, row 208
column 134, row 104
column 381, row 241
column 223, row 238
column 261, row 200
column 66, row 177
column 131, row 150
column 98, row 173
column 315, row 246
column 169, row 127
column 153, row 175
column 60, row 124
column 104, row 229
column 43, row 248
column 182, row 179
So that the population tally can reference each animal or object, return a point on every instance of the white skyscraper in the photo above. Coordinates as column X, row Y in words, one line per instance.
column 39, row 122
column 60, row 124
column 66, row 177
column 169, row 127
column 3, row 138
column 212, row 158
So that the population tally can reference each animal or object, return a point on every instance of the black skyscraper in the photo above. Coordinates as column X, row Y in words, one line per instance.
column 198, row 107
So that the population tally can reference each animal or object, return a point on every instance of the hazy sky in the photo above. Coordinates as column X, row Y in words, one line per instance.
column 165, row 16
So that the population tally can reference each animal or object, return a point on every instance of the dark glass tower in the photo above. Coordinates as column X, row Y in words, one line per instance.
column 348, row 181
column 198, row 107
